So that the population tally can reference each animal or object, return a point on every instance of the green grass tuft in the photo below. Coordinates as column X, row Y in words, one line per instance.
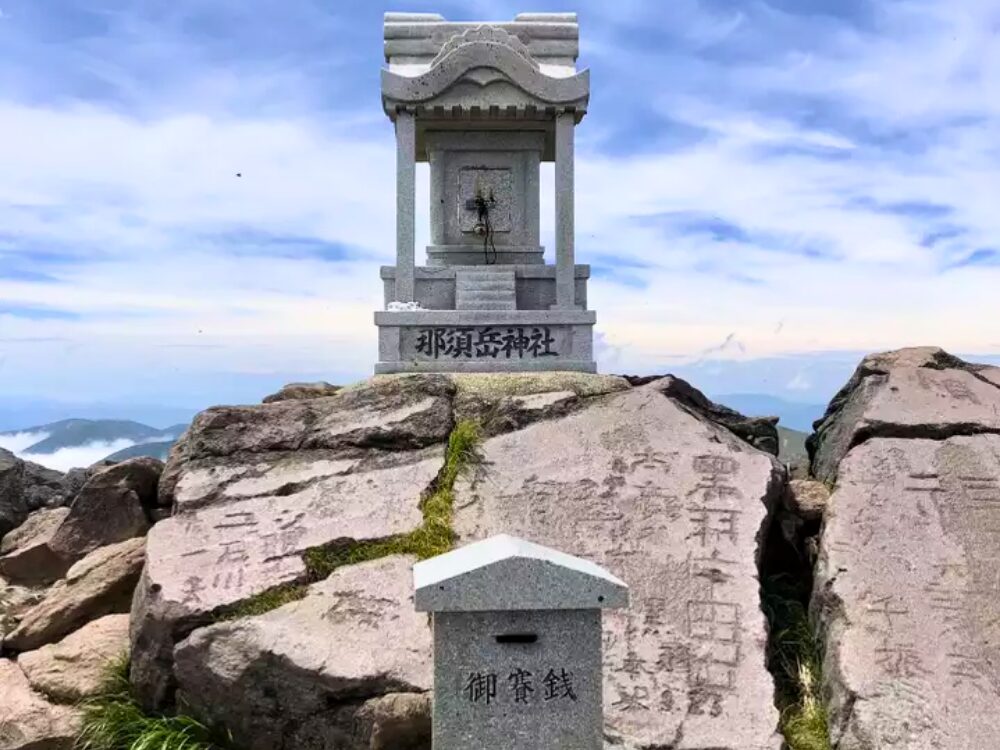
column 434, row 536
column 113, row 720
column 263, row 602
column 797, row 663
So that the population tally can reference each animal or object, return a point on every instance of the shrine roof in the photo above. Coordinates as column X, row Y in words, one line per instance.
column 507, row 573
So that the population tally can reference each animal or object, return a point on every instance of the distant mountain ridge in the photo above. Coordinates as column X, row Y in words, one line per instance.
column 71, row 433
column 158, row 450
column 793, row 414
column 81, row 442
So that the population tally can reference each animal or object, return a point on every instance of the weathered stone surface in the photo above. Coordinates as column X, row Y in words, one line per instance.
column 27, row 720
column 918, row 393
column 908, row 594
column 253, row 536
column 505, row 402
column 14, row 602
column 255, row 487
column 13, row 506
column 760, row 432
column 100, row 584
column 111, row 507
column 807, row 499
column 74, row 479
column 282, row 680
column 303, row 391
column 675, row 506
column 41, row 523
column 397, row 721
column 990, row 374
column 398, row 413
column 27, row 556
column 74, row 668
column 43, row 487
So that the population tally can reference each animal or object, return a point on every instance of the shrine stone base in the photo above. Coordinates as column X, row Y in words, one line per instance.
column 485, row 341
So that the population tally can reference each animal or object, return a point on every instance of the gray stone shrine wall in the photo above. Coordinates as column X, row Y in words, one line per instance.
column 503, row 691
column 475, row 102
column 434, row 287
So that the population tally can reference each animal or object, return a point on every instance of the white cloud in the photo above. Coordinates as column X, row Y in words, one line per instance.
column 799, row 383
column 18, row 441
column 65, row 459
column 143, row 201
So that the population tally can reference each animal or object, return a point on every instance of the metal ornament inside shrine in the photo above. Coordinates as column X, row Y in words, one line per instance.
column 517, row 645
column 484, row 104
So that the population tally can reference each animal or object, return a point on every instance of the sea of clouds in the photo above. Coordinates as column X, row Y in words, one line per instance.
column 63, row 459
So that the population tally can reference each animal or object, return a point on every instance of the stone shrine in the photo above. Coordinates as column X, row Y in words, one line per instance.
column 517, row 645
column 484, row 105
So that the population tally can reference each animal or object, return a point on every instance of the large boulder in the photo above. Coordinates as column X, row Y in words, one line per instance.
column 303, row 391
column 760, row 432
column 631, row 477
column 14, row 602
column 675, row 506
column 922, row 392
column 112, row 506
column 43, row 487
column 100, row 584
column 253, row 488
column 907, row 594
column 304, row 672
column 75, row 667
column 27, row 720
column 26, row 555
column 13, row 505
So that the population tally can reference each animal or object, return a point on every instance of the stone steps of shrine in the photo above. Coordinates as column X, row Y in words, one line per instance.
column 485, row 290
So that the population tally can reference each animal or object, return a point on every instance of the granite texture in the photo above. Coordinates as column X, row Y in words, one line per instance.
column 565, row 221
column 907, row 595
column 13, row 506
column 76, row 667
column 921, row 392
column 405, row 199
column 475, row 102
column 113, row 505
column 518, row 696
column 676, row 507
column 485, row 341
column 296, row 678
column 100, row 584
column 350, row 642
column 254, row 487
column 535, row 285
column 27, row 720
column 27, row 555
column 502, row 165
column 506, row 573
column 413, row 40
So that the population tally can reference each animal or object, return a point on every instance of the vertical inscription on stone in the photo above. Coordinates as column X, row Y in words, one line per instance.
column 713, row 620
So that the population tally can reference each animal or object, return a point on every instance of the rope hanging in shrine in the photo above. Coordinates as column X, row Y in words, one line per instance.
column 484, row 225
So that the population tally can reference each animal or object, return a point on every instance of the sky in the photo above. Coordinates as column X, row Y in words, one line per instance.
column 766, row 190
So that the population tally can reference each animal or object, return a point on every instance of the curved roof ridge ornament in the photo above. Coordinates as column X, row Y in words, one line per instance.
column 485, row 33
column 572, row 90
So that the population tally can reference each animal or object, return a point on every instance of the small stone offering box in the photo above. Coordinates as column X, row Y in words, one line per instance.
column 517, row 645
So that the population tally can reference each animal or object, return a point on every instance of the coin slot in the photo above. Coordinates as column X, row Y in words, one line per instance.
column 517, row 638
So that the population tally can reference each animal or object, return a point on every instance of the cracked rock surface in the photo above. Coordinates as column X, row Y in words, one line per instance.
column 662, row 493
column 298, row 668
column 254, row 487
column 920, row 392
column 907, row 592
column 674, row 505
